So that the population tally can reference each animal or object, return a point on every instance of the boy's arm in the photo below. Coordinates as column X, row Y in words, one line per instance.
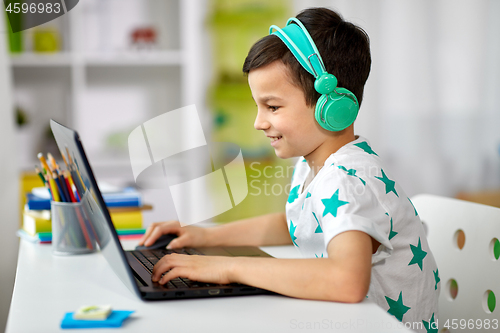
column 270, row 229
column 343, row 277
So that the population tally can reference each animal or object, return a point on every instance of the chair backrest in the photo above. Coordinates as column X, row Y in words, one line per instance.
column 464, row 238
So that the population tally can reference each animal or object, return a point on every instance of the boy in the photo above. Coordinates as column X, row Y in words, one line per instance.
column 358, row 232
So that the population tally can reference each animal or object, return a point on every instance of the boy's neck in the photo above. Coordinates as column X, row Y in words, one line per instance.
column 316, row 159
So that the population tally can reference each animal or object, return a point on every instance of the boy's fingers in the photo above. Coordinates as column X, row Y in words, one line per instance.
column 163, row 266
column 178, row 242
column 155, row 234
column 146, row 235
column 155, row 230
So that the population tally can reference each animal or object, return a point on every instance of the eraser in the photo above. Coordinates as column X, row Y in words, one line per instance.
column 93, row 312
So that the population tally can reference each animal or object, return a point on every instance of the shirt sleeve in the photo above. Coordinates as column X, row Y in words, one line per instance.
column 344, row 202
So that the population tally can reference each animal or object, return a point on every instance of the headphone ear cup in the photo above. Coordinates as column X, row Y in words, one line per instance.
column 336, row 111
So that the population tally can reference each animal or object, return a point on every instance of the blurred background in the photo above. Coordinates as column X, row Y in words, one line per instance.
column 431, row 108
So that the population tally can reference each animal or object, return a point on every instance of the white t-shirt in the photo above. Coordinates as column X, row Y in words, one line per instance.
column 353, row 191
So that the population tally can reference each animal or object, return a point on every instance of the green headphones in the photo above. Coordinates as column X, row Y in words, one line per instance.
column 337, row 108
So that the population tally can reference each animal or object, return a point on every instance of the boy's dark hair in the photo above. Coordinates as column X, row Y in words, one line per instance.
column 343, row 46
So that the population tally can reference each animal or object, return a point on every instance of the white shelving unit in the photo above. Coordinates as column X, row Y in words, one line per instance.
column 103, row 87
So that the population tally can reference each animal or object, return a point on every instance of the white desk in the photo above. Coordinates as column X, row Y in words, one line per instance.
column 48, row 286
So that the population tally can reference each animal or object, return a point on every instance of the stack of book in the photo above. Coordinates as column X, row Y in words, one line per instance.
column 125, row 208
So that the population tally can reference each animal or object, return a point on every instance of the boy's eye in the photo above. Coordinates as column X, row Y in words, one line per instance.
column 273, row 108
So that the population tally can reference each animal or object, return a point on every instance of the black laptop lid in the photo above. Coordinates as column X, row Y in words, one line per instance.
column 71, row 147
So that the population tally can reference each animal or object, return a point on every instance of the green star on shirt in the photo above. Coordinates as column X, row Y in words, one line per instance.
column 333, row 204
column 392, row 233
column 418, row 255
column 351, row 172
column 436, row 277
column 308, row 195
column 397, row 308
column 416, row 214
column 318, row 229
column 292, row 233
column 294, row 194
column 431, row 325
column 366, row 147
column 389, row 184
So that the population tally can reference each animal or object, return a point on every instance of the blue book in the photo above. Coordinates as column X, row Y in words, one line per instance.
column 129, row 197
column 41, row 237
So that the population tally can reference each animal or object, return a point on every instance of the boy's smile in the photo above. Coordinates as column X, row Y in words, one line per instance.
column 286, row 119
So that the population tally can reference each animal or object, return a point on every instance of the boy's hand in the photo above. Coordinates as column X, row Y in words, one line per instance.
column 209, row 269
column 188, row 236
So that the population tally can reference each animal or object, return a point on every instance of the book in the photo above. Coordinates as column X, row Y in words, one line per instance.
column 129, row 197
column 46, row 237
column 127, row 220
column 35, row 221
column 41, row 237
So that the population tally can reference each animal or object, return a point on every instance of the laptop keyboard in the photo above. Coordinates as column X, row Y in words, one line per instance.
column 149, row 258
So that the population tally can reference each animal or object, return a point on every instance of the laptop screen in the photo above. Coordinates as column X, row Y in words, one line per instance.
column 100, row 228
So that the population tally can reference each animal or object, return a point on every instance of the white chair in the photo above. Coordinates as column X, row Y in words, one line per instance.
column 469, row 269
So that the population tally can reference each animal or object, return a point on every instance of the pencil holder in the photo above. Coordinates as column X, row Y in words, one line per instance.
column 72, row 232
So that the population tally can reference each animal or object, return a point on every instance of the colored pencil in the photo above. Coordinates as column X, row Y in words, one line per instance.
column 40, row 175
column 43, row 161
column 53, row 188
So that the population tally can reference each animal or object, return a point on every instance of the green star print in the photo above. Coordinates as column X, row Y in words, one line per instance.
column 397, row 308
column 364, row 145
column 431, row 326
column 416, row 214
column 333, row 204
column 292, row 233
column 392, row 233
column 318, row 228
column 436, row 277
column 351, row 172
column 389, row 184
column 294, row 194
column 308, row 195
column 418, row 255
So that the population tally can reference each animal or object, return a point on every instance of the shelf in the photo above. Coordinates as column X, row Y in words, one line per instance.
column 62, row 59
column 135, row 58
column 130, row 58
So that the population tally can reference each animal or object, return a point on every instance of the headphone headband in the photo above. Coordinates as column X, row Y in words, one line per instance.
column 298, row 40
column 337, row 108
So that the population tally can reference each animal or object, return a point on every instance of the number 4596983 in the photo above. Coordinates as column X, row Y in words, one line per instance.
column 455, row 324
column 33, row 8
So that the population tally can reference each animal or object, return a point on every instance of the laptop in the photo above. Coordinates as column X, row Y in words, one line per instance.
column 134, row 267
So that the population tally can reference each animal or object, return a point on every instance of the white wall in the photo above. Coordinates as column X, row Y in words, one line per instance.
column 431, row 107
column 9, row 194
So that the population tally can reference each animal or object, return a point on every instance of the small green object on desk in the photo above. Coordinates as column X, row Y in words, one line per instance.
column 115, row 319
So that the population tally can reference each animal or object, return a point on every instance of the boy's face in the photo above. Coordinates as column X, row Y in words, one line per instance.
column 282, row 112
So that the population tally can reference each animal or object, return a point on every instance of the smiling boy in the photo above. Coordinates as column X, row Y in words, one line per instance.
column 356, row 229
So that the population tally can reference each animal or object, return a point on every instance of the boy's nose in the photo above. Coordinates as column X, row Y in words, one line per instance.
column 260, row 123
